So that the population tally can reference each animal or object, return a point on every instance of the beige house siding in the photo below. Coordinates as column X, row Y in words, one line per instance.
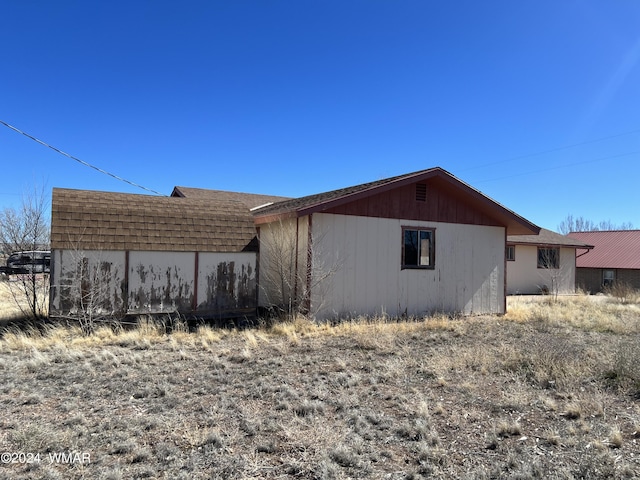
column 525, row 278
column 468, row 276
column 283, row 263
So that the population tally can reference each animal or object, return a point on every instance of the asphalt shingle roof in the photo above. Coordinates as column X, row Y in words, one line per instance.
column 250, row 200
column 547, row 238
column 83, row 219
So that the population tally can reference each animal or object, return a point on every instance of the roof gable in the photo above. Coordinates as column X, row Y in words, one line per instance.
column 612, row 249
column 448, row 199
column 91, row 220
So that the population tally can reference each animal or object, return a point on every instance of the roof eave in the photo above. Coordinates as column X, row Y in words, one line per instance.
column 515, row 224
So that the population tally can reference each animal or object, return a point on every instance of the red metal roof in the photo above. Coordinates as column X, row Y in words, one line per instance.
column 612, row 249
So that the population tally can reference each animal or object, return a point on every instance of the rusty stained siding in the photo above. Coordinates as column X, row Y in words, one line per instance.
column 161, row 281
column 157, row 282
column 88, row 281
column 226, row 284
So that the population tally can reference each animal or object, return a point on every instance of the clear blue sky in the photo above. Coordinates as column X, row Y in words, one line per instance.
column 298, row 97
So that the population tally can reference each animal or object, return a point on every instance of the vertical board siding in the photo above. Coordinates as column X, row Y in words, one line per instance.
column 88, row 280
column 468, row 276
column 283, row 262
column 155, row 282
column 226, row 282
column 161, row 281
column 443, row 204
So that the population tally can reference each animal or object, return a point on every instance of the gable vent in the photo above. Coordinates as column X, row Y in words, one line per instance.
column 421, row 192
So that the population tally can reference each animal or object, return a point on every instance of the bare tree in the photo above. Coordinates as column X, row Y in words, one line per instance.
column 87, row 290
column 292, row 267
column 27, row 228
column 549, row 267
column 581, row 224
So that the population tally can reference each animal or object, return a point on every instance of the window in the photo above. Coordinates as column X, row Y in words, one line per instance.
column 418, row 249
column 548, row 257
column 608, row 277
column 511, row 253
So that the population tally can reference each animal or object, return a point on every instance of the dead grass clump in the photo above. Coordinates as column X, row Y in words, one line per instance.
column 584, row 312
column 623, row 292
column 625, row 368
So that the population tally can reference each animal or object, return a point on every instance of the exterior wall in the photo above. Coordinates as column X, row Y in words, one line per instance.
column 366, row 254
column 112, row 283
column 161, row 281
column 226, row 284
column 87, row 280
column 590, row 279
column 283, row 263
column 525, row 278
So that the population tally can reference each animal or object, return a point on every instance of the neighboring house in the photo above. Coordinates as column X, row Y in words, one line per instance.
column 118, row 254
column 614, row 258
column 543, row 263
column 407, row 245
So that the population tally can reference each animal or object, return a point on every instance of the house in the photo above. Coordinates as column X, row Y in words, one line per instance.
column 407, row 245
column 543, row 263
column 614, row 258
column 116, row 254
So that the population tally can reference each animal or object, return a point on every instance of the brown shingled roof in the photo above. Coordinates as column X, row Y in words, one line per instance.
column 323, row 201
column 547, row 238
column 91, row 220
column 251, row 200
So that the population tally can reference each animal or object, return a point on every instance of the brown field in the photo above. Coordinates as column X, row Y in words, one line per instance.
column 551, row 390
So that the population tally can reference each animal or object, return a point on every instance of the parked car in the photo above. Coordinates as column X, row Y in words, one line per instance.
column 33, row 261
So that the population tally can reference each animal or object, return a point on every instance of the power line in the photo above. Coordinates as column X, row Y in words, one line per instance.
column 82, row 162
column 552, row 150
column 557, row 167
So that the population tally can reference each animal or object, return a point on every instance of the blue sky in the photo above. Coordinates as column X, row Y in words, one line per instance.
column 534, row 103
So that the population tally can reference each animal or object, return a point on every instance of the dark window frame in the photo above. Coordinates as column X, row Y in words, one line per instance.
column 510, row 248
column 415, row 264
column 549, row 258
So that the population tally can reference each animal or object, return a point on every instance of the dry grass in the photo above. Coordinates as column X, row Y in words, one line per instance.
column 539, row 393
column 13, row 303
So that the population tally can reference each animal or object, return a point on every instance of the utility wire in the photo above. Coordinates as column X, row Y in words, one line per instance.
column 552, row 150
column 82, row 162
column 557, row 167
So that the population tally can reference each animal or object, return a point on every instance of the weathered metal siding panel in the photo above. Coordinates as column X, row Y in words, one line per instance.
column 468, row 276
column 90, row 280
column 157, row 282
column 525, row 278
column 226, row 283
column 161, row 281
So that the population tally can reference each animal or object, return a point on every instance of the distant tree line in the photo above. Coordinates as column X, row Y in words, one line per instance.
column 581, row 224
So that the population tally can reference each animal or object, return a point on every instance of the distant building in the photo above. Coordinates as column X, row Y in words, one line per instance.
column 543, row 263
column 615, row 258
